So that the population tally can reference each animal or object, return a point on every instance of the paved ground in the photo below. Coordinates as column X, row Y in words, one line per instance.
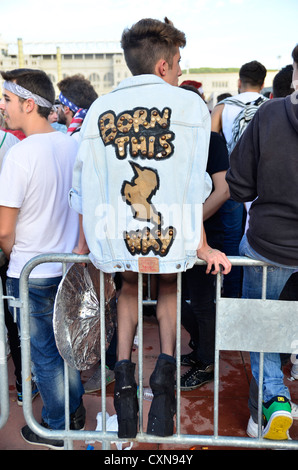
column 196, row 405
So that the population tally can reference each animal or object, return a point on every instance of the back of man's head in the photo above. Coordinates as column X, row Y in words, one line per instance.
column 282, row 82
column 252, row 74
column 149, row 40
column 78, row 90
column 35, row 81
column 295, row 54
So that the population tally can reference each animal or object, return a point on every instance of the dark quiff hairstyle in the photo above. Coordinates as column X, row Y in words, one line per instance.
column 78, row 90
column 282, row 82
column 149, row 40
column 253, row 73
column 36, row 81
column 295, row 54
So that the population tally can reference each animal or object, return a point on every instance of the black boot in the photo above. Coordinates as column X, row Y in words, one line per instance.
column 163, row 406
column 125, row 399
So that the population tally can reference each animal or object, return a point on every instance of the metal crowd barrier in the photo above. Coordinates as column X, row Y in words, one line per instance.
column 242, row 325
column 4, row 392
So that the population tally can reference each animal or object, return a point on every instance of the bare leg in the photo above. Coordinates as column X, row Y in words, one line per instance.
column 127, row 309
column 166, row 312
column 162, row 380
column 127, row 314
column 125, row 391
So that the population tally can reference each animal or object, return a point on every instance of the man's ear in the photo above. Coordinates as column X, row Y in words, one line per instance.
column 161, row 68
column 66, row 109
column 29, row 105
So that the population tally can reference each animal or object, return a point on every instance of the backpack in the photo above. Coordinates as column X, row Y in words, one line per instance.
column 243, row 118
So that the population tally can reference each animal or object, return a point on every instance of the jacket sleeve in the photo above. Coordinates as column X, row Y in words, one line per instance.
column 75, row 194
column 242, row 174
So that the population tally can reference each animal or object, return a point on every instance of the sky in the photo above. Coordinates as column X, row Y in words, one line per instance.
column 219, row 33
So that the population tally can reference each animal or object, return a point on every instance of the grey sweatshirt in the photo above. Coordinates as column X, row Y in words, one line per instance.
column 264, row 169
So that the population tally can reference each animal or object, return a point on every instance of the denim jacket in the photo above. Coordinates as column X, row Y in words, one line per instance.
column 140, row 176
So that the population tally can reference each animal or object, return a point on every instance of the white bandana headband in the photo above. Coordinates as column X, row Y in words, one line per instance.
column 26, row 94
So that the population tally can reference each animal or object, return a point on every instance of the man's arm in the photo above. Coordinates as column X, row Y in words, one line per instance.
column 216, row 118
column 213, row 257
column 8, row 220
column 218, row 197
column 82, row 247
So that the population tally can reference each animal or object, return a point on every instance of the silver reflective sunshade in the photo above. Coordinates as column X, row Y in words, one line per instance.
column 76, row 319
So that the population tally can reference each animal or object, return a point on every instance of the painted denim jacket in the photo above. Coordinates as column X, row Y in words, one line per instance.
column 140, row 176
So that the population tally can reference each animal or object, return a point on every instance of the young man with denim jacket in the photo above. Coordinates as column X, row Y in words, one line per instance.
column 139, row 184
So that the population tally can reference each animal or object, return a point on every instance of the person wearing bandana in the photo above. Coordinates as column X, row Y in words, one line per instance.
column 35, row 218
column 76, row 96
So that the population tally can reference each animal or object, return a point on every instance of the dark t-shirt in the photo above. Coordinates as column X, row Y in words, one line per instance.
column 218, row 160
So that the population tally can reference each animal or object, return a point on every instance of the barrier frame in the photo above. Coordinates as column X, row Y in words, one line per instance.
column 106, row 437
column 4, row 390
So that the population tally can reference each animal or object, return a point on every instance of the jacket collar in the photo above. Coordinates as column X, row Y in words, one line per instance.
column 140, row 80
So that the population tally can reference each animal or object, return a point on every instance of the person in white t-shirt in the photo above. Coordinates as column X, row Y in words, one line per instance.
column 7, row 140
column 250, row 83
column 35, row 218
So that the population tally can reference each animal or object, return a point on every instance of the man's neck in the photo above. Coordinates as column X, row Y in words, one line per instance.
column 39, row 126
column 69, row 118
column 249, row 90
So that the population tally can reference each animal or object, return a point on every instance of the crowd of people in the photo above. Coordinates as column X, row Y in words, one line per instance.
column 144, row 179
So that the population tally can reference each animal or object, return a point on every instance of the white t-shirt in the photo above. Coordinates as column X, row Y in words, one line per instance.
column 230, row 112
column 77, row 136
column 36, row 177
column 7, row 140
